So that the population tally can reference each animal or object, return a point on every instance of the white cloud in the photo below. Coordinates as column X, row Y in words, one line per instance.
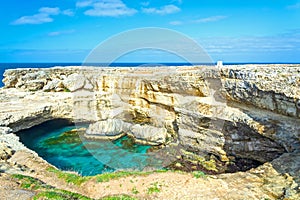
column 56, row 33
column 292, row 33
column 295, row 6
column 275, row 43
column 210, row 19
column 108, row 8
column 168, row 9
column 176, row 23
column 82, row 4
column 44, row 16
column 50, row 11
column 202, row 20
column 40, row 18
column 68, row 12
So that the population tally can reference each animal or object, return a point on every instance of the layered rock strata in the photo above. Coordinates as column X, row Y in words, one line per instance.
column 215, row 116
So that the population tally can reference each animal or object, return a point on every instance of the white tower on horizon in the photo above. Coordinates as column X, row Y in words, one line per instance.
column 220, row 63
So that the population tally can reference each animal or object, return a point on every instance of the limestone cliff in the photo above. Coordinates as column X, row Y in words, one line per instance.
column 216, row 116
column 212, row 112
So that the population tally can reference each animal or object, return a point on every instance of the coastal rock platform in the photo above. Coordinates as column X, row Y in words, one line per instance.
column 220, row 118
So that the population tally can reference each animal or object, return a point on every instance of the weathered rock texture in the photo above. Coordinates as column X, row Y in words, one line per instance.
column 217, row 117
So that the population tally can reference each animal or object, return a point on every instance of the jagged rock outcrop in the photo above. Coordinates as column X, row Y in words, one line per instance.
column 21, row 110
column 272, row 87
column 217, row 117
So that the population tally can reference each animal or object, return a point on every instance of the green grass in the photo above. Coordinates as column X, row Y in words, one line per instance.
column 27, row 182
column 48, row 192
column 59, row 195
column 65, row 195
column 154, row 188
column 45, row 191
column 121, row 197
column 109, row 176
column 199, row 174
column 69, row 177
column 134, row 190
column 115, row 175
column 66, row 90
column 78, row 180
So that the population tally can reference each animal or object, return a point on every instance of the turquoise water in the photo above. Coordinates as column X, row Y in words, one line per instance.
column 58, row 143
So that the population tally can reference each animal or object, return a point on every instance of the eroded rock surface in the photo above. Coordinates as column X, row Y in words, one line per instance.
column 108, row 129
column 217, row 117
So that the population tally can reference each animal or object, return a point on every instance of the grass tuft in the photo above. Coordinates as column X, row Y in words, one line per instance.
column 115, row 175
column 119, row 197
column 199, row 174
column 59, row 195
column 27, row 182
column 134, row 190
column 154, row 188
column 45, row 191
column 69, row 177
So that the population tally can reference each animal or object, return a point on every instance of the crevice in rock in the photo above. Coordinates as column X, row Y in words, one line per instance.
column 245, row 148
column 53, row 123
column 243, row 142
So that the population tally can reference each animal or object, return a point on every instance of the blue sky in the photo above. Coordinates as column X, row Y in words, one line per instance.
column 231, row 30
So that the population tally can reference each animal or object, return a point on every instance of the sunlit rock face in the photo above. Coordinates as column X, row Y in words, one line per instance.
column 221, row 120
column 272, row 87
column 216, row 116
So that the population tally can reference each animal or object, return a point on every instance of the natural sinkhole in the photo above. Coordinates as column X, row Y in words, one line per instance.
column 60, row 144
column 64, row 145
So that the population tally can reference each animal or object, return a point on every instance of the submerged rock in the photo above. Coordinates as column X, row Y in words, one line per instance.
column 68, row 137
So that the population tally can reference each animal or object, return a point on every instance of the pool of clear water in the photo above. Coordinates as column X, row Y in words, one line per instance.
column 60, row 144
